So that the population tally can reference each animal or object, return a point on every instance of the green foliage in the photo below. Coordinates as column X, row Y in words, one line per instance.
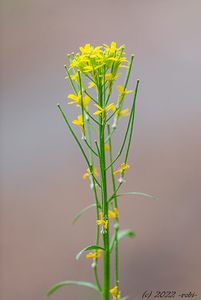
column 79, row 214
column 61, row 284
column 121, row 234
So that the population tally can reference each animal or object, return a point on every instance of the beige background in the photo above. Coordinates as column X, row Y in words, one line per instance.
column 41, row 168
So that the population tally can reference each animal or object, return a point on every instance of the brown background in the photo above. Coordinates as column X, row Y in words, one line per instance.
column 41, row 168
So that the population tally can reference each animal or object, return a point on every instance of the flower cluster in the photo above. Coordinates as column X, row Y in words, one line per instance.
column 97, row 61
column 100, row 66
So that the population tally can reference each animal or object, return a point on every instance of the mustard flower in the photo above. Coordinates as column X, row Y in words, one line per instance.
column 103, row 223
column 88, row 173
column 123, row 91
column 78, row 99
column 115, row 293
column 95, row 254
column 123, row 168
column 124, row 112
column 113, row 214
column 106, row 147
column 104, row 111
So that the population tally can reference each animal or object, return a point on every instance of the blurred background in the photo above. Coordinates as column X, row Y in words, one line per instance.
column 41, row 167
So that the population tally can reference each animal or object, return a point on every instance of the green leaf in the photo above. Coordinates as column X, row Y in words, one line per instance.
column 138, row 194
column 134, row 194
column 125, row 232
column 61, row 284
column 78, row 215
column 121, row 234
column 91, row 247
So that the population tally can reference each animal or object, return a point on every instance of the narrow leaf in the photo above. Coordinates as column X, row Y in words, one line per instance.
column 61, row 284
column 79, row 214
column 121, row 234
column 137, row 194
column 91, row 247
column 125, row 233
column 133, row 194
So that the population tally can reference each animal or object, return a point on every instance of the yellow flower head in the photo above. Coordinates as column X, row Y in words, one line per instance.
column 114, row 291
column 103, row 111
column 95, row 254
column 107, row 148
column 91, row 84
column 110, row 77
column 123, row 168
column 124, row 112
column 78, row 99
column 75, row 77
column 113, row 214
column 123, row 91
column 88, row 173
column 102, row 222
column 88, row 50
column 79, row 122
column 113, row 47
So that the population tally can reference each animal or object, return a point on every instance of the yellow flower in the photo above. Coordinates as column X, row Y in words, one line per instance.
column 118, row 59
column 123, row 91
column 124, row 112
column 79, row 121
column 113, row 214
column 102, row 222
column 86, row 49
column 96, row 254
column 89, row 50
column 123, row 168
column 104, row 110
column 75, row 76
column 111, row 77
column 78, row 99
column 113, row 47
column 88, row 173
column 79, row 62
column 88, row 69
column 107, row 148
column 114, row 291
column 91, row 84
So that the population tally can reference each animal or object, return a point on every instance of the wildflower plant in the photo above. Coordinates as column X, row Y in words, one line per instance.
column 93, row 73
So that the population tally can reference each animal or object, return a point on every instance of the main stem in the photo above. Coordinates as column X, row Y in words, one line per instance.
column 106, row 258
column 116, row 228
column 106, row 272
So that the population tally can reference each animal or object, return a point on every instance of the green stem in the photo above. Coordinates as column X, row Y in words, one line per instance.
column 129, row 141
column 130, row 125
column 78, row 142
column 132, row 122
column 89, row 146
column 97, row 204
column 94, row 100
column 124, row 141
column 116, row 227
column 82, row 104
column 71, row 81
column 106, row 258
column 92, row 117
